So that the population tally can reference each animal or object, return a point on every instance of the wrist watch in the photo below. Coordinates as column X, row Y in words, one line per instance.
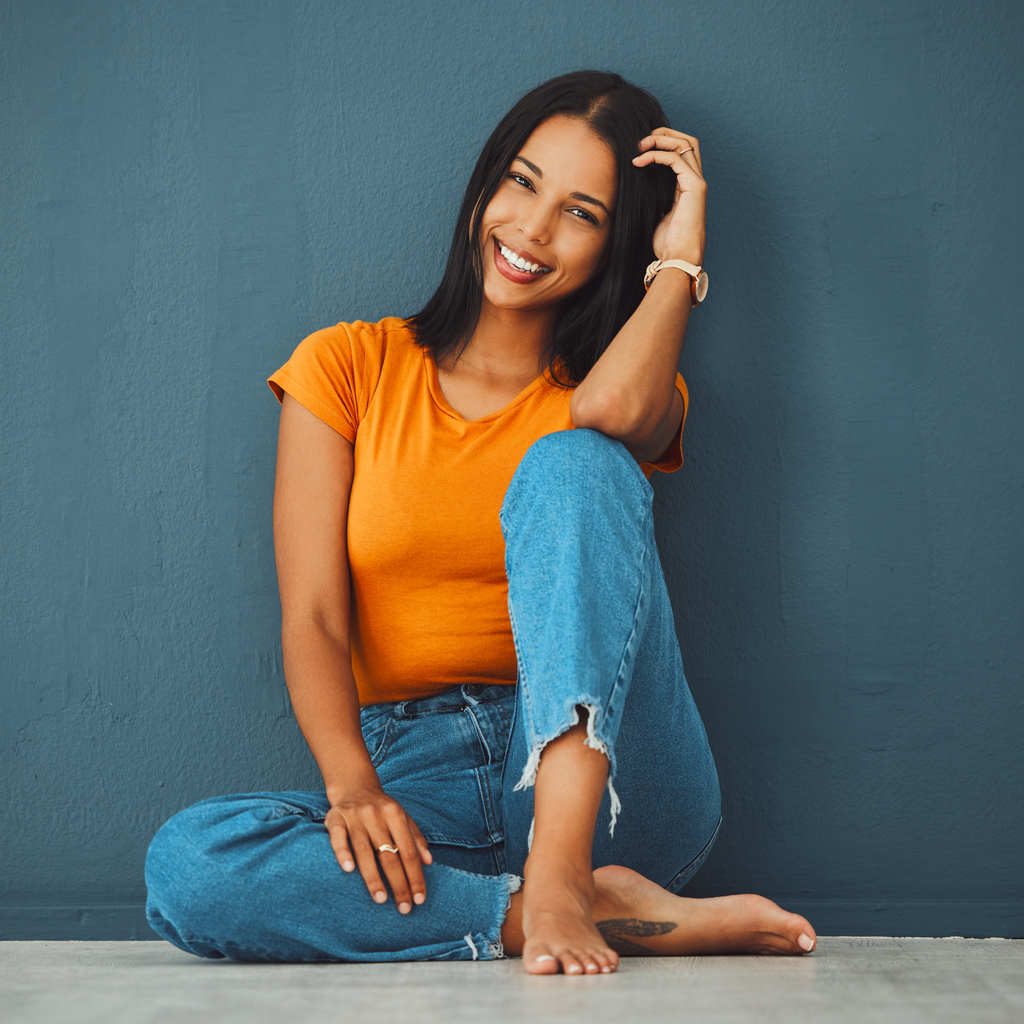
column 698, row 278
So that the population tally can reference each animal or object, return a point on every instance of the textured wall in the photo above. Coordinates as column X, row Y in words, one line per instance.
column 190, row 188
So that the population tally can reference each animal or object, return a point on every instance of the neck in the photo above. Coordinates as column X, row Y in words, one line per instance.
column 509, row 343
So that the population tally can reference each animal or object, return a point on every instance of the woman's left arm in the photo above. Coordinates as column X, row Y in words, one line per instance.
column 630, row 393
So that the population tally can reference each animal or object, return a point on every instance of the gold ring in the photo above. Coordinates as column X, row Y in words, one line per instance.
column 387, row 848
column 683, row 151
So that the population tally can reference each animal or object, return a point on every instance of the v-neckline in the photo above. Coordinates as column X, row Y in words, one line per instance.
column 434, row 387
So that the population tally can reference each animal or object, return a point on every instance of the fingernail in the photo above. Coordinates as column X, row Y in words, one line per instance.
column 380, row 897
column 418, row 898
column 805, row 942
column 404, row 908
column 348, row 865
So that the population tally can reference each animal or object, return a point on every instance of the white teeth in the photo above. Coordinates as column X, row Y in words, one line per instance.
column 518, row 261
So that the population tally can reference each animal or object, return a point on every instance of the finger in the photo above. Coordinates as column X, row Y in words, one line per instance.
column 337, row 832
column 667, row 139
column 672, row 159
column 410, row 856
column 366, row 857
column 421, row 844
column 394, row 872
column 670, row 133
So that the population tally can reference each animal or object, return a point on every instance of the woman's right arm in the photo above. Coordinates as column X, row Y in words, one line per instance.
column 311, row 496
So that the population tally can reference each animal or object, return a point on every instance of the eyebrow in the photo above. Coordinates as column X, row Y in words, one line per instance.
column 581, row 196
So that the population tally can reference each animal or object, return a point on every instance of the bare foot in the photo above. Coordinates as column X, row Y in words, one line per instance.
column 639, row 918
column 635, row 917
column 558, row 925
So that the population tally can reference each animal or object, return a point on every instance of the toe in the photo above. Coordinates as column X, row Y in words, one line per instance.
column 571, row 964
column 542, row 962
column 803, row 934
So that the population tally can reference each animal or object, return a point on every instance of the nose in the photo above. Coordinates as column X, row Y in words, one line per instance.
column 535, row 224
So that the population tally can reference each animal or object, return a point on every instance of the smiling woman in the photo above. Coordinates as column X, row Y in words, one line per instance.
column 477, row 637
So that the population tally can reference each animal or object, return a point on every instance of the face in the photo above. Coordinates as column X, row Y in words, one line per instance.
column 544, row 233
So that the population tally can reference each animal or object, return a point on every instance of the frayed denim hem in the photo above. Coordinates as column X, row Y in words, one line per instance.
column 595, row 742
column 489, row 947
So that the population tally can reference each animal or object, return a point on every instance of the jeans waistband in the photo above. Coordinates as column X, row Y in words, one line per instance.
column 455, row 698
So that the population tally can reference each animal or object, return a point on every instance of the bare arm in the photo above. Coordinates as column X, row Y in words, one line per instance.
column 630, row 392
column 314, row 477
column 311, row 496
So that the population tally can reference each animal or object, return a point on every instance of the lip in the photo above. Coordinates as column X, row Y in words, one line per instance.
column 525, row 253
column 514, row 273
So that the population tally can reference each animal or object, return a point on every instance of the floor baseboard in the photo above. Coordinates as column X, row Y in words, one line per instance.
column 920, row 918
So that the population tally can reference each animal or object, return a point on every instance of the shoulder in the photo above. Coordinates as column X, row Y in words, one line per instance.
column 339, row 367
column 359, row 336
column 356, row 349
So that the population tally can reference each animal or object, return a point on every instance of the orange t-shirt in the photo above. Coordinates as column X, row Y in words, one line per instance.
column 425, row 548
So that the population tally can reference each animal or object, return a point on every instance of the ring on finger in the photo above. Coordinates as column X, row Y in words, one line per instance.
column 683, row 152
column 387, row 848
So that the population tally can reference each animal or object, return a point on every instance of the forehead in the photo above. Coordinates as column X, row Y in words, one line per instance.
column 573, row 158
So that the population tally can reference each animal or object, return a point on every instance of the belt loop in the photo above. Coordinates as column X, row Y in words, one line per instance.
column 399, row 709
column 466, row 695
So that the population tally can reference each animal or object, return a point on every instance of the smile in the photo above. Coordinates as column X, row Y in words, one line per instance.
column 518, row 264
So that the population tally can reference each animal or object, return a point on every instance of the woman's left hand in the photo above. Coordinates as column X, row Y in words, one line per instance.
column 681, row 234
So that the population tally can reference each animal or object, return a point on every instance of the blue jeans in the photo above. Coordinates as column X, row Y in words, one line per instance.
column 253, row 876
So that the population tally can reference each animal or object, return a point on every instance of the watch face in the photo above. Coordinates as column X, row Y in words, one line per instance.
column 702, row 286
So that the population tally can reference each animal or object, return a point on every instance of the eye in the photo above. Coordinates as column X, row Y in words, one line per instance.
column 584, row 214
column 520, row 179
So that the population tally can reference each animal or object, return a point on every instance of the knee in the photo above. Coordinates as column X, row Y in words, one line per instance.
column 582, row 464
column 566, row 449
column 183, row 873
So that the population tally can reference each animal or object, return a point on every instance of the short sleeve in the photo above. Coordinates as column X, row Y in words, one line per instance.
column 672, row 458
column 333, row 373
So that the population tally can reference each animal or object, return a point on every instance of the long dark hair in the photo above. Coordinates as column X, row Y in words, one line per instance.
column 621, row 114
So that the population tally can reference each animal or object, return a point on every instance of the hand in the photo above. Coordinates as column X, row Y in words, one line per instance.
column 681, row 234
column 362, row 822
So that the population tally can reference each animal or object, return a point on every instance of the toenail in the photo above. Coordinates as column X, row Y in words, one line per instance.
column 574, row 969
column 543, row 956
column 805, row 942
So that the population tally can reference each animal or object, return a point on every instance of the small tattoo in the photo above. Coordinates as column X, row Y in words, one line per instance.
column 615, row 933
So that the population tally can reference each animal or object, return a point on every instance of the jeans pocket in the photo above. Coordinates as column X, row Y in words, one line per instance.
column 378, row 739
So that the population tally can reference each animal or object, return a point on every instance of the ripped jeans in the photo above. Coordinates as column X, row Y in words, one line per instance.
column 253, row 876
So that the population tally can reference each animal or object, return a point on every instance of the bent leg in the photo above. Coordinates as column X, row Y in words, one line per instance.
column 253, row 877
column 595, row 637
column 594, row 630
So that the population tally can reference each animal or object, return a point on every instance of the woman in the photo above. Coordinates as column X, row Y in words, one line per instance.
column 477, row 638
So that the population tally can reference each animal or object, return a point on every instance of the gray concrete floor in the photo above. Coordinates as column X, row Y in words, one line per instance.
column 898, row 981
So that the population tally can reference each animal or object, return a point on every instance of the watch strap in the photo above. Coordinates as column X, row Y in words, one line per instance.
column 689, row 268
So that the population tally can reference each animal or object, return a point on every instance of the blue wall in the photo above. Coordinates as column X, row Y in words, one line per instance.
column 190, row 188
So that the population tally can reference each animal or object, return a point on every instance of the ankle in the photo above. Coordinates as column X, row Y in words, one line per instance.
column 544, row 865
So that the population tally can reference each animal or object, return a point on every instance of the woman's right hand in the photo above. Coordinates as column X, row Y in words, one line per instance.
column 359, row 824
